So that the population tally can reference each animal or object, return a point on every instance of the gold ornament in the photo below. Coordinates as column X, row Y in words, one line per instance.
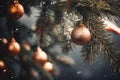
column 2, row 65
column 40, row 56
column 80, row 35
column 15, row 10
column 26, row 46
column 3, row 69
column 14, row 47
column 4, row 40
column 48, row 66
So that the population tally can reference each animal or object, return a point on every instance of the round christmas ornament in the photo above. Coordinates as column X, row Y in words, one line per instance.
column 48, row 66
column 3, row 70
column 15, row 10
column 40, row 56
column 80, row 35
column 2, row 65
column 4, row 40
column 14, row 47
column 26, row 46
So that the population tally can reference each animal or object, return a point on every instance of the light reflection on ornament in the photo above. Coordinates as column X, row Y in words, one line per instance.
column 5, row 41
column 4, row 70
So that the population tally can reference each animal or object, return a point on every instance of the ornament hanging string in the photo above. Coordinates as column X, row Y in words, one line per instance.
column 68, row 6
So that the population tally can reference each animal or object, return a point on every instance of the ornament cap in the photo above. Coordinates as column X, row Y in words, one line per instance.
column 12, row 39
column 81, row 25
column 39, row 49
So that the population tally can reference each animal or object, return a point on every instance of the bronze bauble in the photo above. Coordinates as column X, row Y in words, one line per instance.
column 80, row 35
column 15, row 10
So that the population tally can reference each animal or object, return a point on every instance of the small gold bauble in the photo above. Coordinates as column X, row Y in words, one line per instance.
column 15, row 10
column 80, row 35
column 13, row 47
column 40, row 56
column 2, row 65
column 48, row 66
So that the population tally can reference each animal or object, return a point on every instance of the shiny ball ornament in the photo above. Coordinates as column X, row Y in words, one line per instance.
column 13, row 47
column 48, row 66
column 3, row 70
column 4, row 40
column 34, row 73
column 26, row 46
column 15, row 10
column 80, row 35
column 2, row 65
column 40, row 56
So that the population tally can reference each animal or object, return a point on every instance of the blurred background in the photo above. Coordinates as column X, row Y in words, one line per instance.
column 35, row 28
column 99, row 70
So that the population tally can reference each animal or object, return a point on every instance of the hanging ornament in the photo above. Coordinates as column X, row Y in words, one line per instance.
column 2, row 65
column 3, row 70
column 26, row 46
column 48, row 66
column 14, row 47
column 4, row 40
column 15, row 10
column 80, row 35
column 34, row 73
column 40, row 56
